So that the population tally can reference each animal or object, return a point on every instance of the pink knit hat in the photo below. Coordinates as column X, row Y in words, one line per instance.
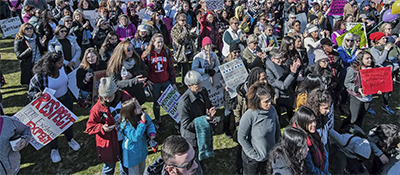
column 206, row 40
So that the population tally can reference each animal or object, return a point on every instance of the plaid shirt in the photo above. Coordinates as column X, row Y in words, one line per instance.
column 38, row 83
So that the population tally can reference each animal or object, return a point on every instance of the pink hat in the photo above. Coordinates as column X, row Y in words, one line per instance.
column 206, row 40
column 151, row 6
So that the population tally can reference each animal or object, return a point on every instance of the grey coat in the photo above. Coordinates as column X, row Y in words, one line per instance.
column 11, row 128
column 282, row 80
column 280, row 167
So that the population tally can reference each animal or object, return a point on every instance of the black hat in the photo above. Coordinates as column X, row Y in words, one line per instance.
column 258, row 49
column 234, row 46
column 326, row 41
column 312, row 17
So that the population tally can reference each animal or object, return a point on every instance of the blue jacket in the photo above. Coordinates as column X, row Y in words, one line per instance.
column 346, row 58
column 311, row 169
column 134, row 145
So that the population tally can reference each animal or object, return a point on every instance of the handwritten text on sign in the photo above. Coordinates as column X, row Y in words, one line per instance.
column 47, row 118
column 376, row 79
column 337, row 7
column 215, row 91
column 234, row 74
column 10, row 26
column 169, row 102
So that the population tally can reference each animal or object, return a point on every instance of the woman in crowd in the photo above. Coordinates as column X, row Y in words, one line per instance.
column 125, row 28
column 114, row 11
column 84, row 76
column 338, row 29
column 28, row 48
column 322, row 68
column 190, row 16
column 101, row 33
column 385, row 55
column 161, row 72
column 359, row 103
column 302, row 52
column 136, row 126
column 289, row 153
column 141, row 39
column 386, row 28
column 128, row 71
column 312, row 42
column 288, row 51
column 67, row 45
column 259, row 128
column 86, row 5
column 67, row 22
column 49, row 73
column 206, row 62
column 132, row 16
column 268, row 41
column 233, row 34
column 183, row 43
column 310, row 82
column 12, row 129
column 243, row 20
column 250, row 52
column 46, row 26
column 347, row 51
column 156, row 25
column 316, row 161
column 209, row 28
column 107, row 48
column 82, row 30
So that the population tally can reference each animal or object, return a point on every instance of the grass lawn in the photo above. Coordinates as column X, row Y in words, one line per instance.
column 85, row 160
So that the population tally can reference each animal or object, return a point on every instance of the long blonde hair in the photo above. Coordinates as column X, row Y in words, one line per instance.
column 119, row 54
column 151, row 44
column 85, row 64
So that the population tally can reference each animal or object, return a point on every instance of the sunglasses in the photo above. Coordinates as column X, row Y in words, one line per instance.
column 357, row 41
column 349, row 40
column 183, row 20
column 255, row 43
column 29, row 28
column 63, row 31
column 186, row 166
column 236, row 52
column 129, row 49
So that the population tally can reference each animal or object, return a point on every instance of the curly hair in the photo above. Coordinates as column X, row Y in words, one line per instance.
column 254, row 75
column 389, row 135
column 254, row 95
column 46, row 64
column 289, row 149
column 357, row 63
column 316, row 98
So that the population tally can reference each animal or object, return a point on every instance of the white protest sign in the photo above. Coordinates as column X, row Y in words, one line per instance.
column 302, row 17
column 47, row 118
column 10, row 26
column 91, row 15
column 215, row 90
column 234, row 73
column 169, row 102
column 72, row 84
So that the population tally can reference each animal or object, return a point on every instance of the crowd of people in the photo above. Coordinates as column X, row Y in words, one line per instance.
column 300, row 70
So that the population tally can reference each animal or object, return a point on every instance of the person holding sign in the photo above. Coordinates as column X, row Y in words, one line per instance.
column 49, row 73
column 14, row 136
column 206, row 62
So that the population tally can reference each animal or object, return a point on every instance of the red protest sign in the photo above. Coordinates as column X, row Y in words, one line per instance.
column 376, row 79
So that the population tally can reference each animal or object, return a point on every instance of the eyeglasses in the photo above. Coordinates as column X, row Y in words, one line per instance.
column 236, row 52
column 29, row 28
column 389, row 29
column 63, row 31
column 349, row 40
column 186, row 166
column 357, row 41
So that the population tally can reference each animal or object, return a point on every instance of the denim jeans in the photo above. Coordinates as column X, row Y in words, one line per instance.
column 109, row 168
column 157, row 88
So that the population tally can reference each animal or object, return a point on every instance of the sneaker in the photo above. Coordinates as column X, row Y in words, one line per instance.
column 55, row 156
column 387, row 109
column 74, row 145
column 371, row 111
column 159, row 126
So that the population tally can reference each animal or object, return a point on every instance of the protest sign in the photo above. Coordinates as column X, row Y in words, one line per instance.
column 215, row 90
column 91, row 15
column 72, row 84
column 47, row 118
column 96, row 81
column 214, row 4
column 376, row 79
column 10, row 26
column 169, row 102
column 234, row 74
column 357, row 29
column 302, row 17
column 337, row 7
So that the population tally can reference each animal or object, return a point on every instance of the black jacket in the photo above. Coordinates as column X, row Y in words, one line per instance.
column 163, row 30
column 100, row 35
column 78, row 30
column 81, row 73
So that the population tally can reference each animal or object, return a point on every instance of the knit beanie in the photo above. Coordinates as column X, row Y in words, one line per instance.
column 319, row 55
column 107, row 87
column 234, row 46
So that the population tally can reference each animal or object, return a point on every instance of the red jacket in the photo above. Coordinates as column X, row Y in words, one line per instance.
column 108, row 149
column 161, row 67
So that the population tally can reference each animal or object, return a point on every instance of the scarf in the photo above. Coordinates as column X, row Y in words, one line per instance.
column 128, row 64
column 331, row 60
column 35, row 49
column 206, row 59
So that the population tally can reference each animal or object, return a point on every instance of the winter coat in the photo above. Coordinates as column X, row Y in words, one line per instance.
column 182, row 42
column 310, row 46
column 241, row 105
column 280, row 167
column 228, row 38
column 44, row 29
column 108, row 149
column 157, row 167
column 100, row 35
column 125, row 32
column 264, row 42
column 10, row 129
column 140, row 44
column 55, row 45
column 153, row 29
column 210, row 30
column 81, row 74
column 78, row 30
column 134, row 145
column 189, row 108
column 312, row 169
column 24, row 54
column 282, row 80
column 199, row 61
column 346, row 57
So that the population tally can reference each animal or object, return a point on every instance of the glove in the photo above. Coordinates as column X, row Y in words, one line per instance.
column 210, row 72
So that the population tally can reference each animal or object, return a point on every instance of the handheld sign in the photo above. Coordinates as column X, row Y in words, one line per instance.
column 337, row 7
column 10, row 26
column 169, row 102
column 234, row 74
column 376, row 79
column 215, row 90
column 47, row 117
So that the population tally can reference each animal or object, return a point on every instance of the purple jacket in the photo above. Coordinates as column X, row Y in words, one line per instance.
column 125, row 32
column 335, row 35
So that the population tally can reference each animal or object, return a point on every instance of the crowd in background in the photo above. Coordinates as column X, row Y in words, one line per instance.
column 300, row 70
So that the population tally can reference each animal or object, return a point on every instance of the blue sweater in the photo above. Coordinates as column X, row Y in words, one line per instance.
column 134, row 145
column 310, row 167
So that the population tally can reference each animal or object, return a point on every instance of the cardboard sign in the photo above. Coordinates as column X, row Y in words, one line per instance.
column 215, row 90
column 10, row 26
column 72, row 83
column 169, row 102
column 47, row 118
column 234, row 74
column 96, row 81
column 355, row 28
column 91, row 15
column 302, row 17
column 215, row 4
column 337, row 7
column 376, row 79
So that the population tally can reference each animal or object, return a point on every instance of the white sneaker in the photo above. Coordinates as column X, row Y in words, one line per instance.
column 55, row 156
column 74, row 145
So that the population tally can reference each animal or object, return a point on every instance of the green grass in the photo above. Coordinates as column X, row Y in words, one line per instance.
column 85, row 160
